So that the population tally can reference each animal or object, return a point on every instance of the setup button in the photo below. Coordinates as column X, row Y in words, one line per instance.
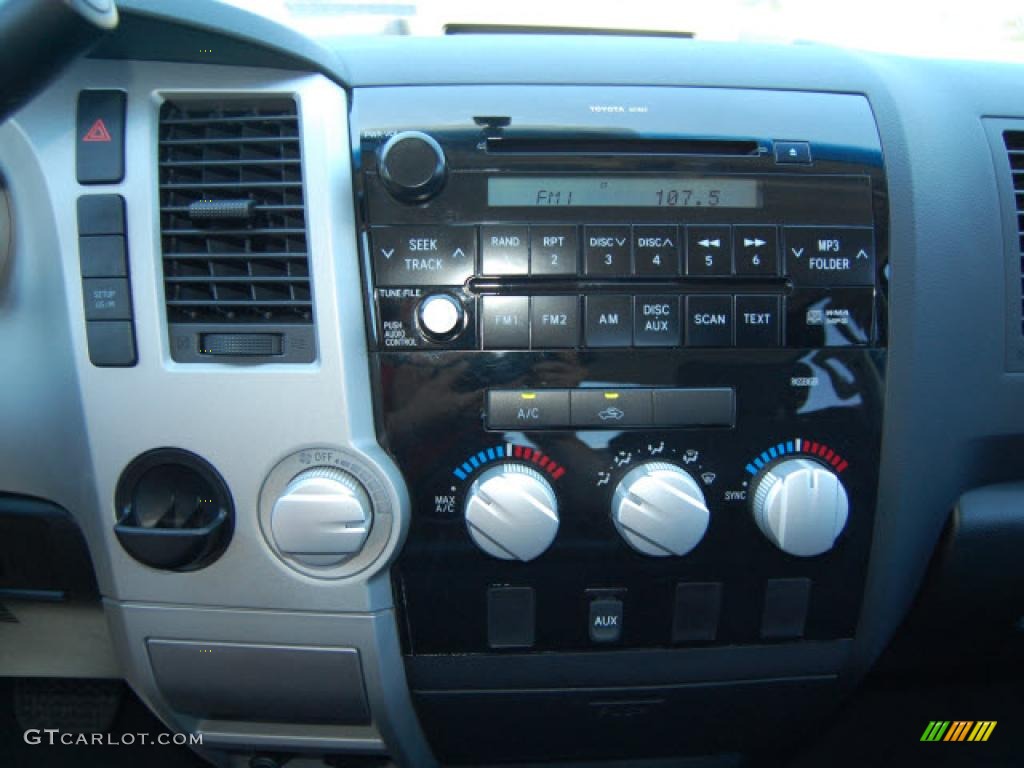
column 525, row 409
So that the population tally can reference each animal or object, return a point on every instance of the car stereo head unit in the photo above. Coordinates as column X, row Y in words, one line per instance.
column 628, row 348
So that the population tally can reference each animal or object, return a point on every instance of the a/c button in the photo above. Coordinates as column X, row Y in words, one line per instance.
column 523, row 409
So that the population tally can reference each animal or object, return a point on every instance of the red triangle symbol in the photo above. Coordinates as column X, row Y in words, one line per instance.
column 98, row 132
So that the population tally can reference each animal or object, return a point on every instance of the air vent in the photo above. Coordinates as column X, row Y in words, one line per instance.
column 1014, row 141
column 233, row 226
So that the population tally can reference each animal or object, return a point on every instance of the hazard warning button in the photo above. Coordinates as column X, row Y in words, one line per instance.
column 99, row 134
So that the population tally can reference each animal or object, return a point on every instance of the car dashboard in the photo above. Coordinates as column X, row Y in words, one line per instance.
column 505, row 398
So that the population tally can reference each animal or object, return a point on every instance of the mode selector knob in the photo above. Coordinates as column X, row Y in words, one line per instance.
column 412, row 166
column 512, row 512
column 659, row 509
column 322, row 518
column 800, row 506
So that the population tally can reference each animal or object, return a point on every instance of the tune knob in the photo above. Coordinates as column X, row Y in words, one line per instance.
column 512, row 512
column 412, row 166
column 659, row 509
column 440, row 315
column 322, row 518
column 800, row 506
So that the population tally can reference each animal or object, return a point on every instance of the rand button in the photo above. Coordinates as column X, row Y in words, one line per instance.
column 417, row 256
column 504, row 250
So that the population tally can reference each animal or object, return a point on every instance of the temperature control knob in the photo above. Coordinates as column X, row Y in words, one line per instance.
column 412, row 166
column 800, row 506
column 322, row 518
column 659, row 509
column 512, row 512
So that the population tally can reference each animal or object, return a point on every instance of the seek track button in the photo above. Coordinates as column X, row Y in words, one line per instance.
column 418, row 256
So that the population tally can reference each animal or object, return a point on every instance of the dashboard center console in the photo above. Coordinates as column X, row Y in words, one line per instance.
column 628, row 351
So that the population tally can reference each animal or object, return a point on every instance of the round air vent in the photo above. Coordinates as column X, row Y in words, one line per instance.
column 174, row 510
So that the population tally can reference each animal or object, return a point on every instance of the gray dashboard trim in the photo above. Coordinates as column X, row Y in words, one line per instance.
column 83, row 424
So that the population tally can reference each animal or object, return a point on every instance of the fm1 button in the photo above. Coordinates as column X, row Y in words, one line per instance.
column 522, row 410
column 505, row 322
column 605, row 621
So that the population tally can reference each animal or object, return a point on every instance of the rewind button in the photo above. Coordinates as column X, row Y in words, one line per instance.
column 708, row 251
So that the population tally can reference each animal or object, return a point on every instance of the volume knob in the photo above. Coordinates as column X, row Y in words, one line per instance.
column 659, row 510
column 512, row 512
column 800, row 506
column 412, row 166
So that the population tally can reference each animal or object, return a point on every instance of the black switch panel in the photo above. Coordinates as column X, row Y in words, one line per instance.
column 103, row 256
column 100, row 215
column 510, row 617
column 785, row 608
column 111, row 343
column 100, row 134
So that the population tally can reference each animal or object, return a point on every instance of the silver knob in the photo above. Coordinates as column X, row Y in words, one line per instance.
column 800, row 506
column 322, row 518
column 512, row 512
column 659, row 509
column 440, row 315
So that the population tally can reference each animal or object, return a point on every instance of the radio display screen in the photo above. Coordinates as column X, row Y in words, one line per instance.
column 623, row 192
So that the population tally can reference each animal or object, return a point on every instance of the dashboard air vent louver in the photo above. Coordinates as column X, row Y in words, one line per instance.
column 1014, row 141
column 233, row 225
